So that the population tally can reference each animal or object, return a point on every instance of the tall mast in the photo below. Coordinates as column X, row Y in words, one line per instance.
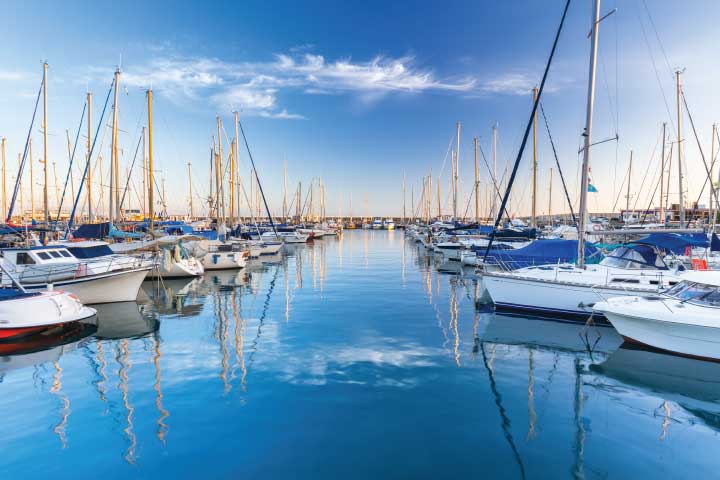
column 236, row 156
column 232, row 183
column 457, row 167
column 627, row 197
column 144, row 173
column 284, row 205
column 218, row 168
column 46, row 207
column 114, row 184
column 192, row 213
column 32, row 183
column 429, row 196
column 712, row 187
column 477, row 181
column 4, row 171
column 87, row 157
column 22, row 203
column 439, row 211
column 404, row 197
column 298, row 207
column 550, row 197
column 494, row 172
column 679, row 149
column 151, row 202
column 662, row 177
column 588, row 135
column 534, row 165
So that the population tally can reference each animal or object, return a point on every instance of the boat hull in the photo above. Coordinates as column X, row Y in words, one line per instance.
column 28, row 315
column 540, row 297
column 121, row 286
column 223, row 260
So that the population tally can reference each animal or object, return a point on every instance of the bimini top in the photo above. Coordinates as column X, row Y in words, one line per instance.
column 635, row 256
column 674, row 242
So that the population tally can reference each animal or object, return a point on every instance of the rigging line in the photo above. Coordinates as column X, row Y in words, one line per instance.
column 247, row 146
column 72, row 157
column 657, row 74
column 89, row 159
column 18, row 181
column 527, row 130
column 660, row 179
column 662, row 48
column 557, row 162
column 702, row 154
column 492, row 176
column 132, row 165
column 647, row 170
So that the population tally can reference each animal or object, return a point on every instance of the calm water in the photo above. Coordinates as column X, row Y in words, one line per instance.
column 357, row 357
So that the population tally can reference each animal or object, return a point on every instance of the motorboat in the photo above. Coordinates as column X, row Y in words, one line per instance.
column 389, row 224
column 103, row 278
column 567, row 290
column 223, row 256
column 377, row 224
column 25, row 313
column 683, row 319
column 287, row 237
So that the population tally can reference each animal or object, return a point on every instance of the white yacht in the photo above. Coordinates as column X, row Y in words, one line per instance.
column 101, row 277
column 377, row 224
column 287, row 237
column 389, row 224
column 683, row 319
column 568, row 290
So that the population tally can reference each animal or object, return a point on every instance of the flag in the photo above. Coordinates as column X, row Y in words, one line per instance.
column 591, row 188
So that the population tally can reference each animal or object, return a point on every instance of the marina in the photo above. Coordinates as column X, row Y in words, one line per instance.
column 253, row 370
column 527, row 285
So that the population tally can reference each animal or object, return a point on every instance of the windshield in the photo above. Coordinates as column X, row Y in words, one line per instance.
column 697, row 293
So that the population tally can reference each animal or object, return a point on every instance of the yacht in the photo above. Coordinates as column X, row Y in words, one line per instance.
column 567, row 290
column 287, row 237
column 102, row 278
column 389, row 224
column 377, row 224
column 683, row 319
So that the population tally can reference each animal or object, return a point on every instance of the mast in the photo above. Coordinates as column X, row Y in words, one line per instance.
column 72, row 182
column 236, row 157
column 46, row 207
column 114, row 184
column 350, row 210
column 662, row 177
column 679, row 149
column 588, row 135
column 403, row 190
column 144, row 173
column 550, row 197
column 4, row 171
column 57, row 192
column 534, row 164
column 712, row 187
column 22, row 202
column 192, row 214
column 627, row 197
column 477, row 182
column 457, row 167
column 87, row 157
column 218, row 167
column 232, row 183
column 494, row 172
column 151, row 206
column 32, row 184
column 438, row 199
column 284, row 205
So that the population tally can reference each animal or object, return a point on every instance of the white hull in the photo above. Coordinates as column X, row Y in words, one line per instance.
column 452, row 253
column 122, row 286
column 514, row 292
column 179, row 269
column 44, row 310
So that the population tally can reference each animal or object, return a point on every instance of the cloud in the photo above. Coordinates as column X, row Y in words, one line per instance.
column 510, row 84
column 6, row 76
column 257, row 87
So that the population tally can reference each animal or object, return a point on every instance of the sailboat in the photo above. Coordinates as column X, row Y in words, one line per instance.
column 571, row 290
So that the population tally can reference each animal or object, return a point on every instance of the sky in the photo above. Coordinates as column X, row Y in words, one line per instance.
column 360, row 93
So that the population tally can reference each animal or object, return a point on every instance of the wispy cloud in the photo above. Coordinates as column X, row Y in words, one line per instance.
column 510, row 84
column 257, row 87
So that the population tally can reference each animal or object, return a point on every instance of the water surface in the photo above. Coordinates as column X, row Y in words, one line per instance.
column 355, row 357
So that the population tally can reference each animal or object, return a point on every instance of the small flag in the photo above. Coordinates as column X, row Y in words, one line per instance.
column 591, row 188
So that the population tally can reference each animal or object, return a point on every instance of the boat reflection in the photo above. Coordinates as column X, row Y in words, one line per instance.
column 693, row 385
column 124, row 320
column 45, row 347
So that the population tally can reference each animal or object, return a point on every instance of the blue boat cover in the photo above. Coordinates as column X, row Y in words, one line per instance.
column 674, row 242
column 715, row 243
column 92, row 230
column 542, row 252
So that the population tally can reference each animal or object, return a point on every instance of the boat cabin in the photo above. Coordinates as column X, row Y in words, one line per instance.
column 38, row 256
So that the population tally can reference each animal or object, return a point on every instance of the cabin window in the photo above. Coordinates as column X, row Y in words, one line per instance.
column 65, row 253
column 625, row 280
column 24, row 258
column 55, row 254
column 43, row 255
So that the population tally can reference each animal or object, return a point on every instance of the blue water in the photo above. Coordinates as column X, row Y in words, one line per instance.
column 357, row 357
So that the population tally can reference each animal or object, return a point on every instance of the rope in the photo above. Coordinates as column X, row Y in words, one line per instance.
column 87, row 163
column 527, row 131
column 557, row 163
column 18, row 181
column 72, row 157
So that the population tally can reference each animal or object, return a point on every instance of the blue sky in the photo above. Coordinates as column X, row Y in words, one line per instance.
column 359, row 93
